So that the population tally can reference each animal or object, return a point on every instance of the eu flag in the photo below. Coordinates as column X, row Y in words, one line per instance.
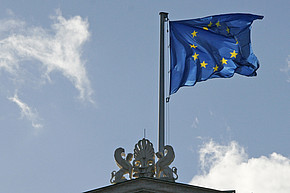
column 211, row 47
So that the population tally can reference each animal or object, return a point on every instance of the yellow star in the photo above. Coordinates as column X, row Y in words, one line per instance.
column 205, row 28
column 218, row 24
column 215, row 68
column 228, row 30
column 234, row 54
column 203, row 64
column 195, row 55
column 237, row 41
column 194, row 33
column 224, row 61
column 193, row 46
column 210, row 24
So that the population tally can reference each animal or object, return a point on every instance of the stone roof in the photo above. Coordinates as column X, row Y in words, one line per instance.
column 153, row 185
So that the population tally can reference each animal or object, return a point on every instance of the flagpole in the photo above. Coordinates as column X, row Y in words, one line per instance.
column 161, row 129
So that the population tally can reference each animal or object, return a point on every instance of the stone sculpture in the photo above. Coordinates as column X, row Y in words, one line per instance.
column 162, row 165
column 124, row 165
column 144, row 163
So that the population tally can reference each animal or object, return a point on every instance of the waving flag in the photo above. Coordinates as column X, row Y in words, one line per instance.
column 211, row 47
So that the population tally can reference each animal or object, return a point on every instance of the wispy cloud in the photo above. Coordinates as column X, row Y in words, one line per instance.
column 286, row 69
column 228, row 167
column 195, row 122
column 55, row 49
column 27, row 112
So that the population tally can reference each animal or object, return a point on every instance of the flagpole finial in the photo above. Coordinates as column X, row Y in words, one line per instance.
column 164, row 15
column 162, row 12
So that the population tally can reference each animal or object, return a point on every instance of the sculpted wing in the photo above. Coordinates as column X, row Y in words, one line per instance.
column 168, row 158
column 121, row 162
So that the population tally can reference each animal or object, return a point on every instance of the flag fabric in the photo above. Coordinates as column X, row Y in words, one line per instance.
column 211, row 47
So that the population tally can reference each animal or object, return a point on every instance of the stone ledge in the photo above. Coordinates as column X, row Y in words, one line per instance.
column 151, row 185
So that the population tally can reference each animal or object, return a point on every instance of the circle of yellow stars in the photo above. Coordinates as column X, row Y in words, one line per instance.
column 223, row 61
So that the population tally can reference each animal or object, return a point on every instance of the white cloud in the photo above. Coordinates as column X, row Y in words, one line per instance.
column 27, row 112
column 55, row 49
column 227, row 167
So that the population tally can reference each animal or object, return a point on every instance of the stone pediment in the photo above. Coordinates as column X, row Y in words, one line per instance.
column 153, row 185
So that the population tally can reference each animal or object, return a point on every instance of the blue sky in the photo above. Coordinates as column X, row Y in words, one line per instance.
column 80, row 79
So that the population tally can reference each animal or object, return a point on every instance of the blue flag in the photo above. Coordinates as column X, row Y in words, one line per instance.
column 211, row 47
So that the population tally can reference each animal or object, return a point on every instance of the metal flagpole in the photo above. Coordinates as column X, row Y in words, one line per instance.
column 163, row 19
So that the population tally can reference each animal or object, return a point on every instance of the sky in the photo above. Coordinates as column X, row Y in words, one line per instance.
column 78, row 79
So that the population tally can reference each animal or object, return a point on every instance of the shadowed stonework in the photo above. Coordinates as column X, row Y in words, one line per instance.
column 152, row 185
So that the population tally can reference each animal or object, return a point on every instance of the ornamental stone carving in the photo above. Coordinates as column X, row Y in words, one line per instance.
column 144, row 164
column 163, row 171
column 124, row 165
